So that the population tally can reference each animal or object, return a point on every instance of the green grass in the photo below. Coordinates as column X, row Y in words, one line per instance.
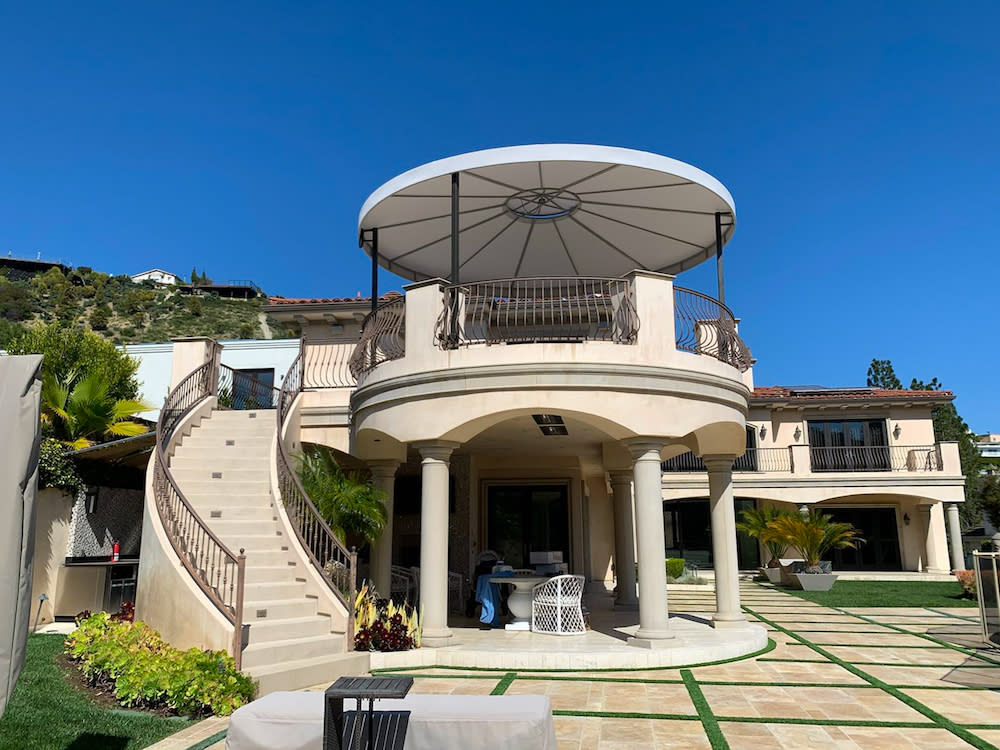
column 888, row 594
column 47, row 713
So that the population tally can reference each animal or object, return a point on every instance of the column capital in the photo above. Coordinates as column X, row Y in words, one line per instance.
column 718, row 462
column 383, row 468
column 640, row 447
column 437, row 450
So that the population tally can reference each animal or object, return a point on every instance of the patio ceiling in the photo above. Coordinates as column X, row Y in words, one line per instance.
column 547, row 210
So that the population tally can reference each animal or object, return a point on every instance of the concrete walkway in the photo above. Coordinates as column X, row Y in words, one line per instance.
column 835, row 678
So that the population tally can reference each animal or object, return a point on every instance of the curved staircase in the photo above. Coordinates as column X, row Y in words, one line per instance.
column 223, row 469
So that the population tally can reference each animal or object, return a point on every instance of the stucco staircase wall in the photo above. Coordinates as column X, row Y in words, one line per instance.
column 223, row 468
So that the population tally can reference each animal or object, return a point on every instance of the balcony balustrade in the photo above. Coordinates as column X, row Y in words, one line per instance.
column 888, row 458
column 560, row 311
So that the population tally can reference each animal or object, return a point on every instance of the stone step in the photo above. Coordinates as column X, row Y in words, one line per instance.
column 218, row 487
column 268, row 573
column 213, row 512
column 207, row 472
column 243, row 500
column 194, row 459
column 257, row 416
column 242, row 528
column 303, row 673
column 278, row 609
column 278, row 652
column 265, row 631
column 275, row 590
column 241, row 441
column 255, row 544
column 268, row 557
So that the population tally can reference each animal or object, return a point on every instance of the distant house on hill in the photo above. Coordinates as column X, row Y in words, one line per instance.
column 158, row 276
column 21, row 269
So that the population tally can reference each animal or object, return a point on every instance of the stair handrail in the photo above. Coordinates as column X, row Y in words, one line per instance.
column 217, row 571
column 336, row 564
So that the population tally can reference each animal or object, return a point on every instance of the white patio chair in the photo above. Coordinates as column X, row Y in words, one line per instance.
column 557, row 606
column 456, row 587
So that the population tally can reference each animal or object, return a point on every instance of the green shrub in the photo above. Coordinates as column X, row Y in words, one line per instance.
column 56, row 468
column 675, row 567
column 132, row 661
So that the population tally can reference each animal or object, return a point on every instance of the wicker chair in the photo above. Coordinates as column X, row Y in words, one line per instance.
column 557, row 606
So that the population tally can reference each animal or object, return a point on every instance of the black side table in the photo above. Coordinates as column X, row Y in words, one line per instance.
column 361, row 688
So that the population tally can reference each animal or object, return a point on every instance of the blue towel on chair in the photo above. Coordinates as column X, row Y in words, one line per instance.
column 488, row 594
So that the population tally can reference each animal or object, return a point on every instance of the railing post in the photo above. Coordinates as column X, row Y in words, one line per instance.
column 800, row 459
column 241, row 571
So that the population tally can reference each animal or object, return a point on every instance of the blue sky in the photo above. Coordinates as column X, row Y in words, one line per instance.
column 859, row 141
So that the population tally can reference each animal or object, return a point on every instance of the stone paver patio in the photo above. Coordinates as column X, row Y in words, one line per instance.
column 845, row 678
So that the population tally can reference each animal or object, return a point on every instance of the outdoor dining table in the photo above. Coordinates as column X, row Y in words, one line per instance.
column 519, row 601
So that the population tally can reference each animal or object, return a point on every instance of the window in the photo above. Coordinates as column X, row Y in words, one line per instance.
column 849, row 445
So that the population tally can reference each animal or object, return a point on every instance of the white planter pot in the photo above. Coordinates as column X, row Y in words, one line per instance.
column 815, row 581
column 772, row 574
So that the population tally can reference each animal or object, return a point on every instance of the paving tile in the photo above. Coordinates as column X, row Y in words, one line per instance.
column 807, row 703
column 962, row 706
column 454, row 685
column 936, row 676
column 942, row 655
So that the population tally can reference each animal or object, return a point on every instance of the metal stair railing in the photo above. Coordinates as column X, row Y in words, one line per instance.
column 336, row 564
column 217, row 571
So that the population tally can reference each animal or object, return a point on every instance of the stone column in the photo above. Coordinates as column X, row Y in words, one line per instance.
column 434, row 540
column 654, row 628
column 621, row 486
column 935, row 547
column 955, row 537
column 724, row 553
column 384, row 475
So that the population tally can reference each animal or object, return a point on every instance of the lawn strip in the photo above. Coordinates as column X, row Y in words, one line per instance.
column 715, row 736
column 931, row 638
column 505, row 682
column 939, row 719
column 209, row 741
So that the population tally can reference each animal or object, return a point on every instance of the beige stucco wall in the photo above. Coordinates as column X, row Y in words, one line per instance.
column 600, row 531
column 54, row 510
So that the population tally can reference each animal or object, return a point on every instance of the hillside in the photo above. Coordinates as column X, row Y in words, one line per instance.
column 125, row 312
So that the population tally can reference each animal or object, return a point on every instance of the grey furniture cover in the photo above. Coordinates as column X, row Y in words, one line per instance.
column 20, row 395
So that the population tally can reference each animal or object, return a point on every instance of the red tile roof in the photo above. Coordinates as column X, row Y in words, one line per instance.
column 328, row 300
column 805, row 393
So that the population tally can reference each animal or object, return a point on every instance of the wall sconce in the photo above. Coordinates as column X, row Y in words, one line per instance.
column 797, row 434
column 906, row 519
column 896, row 431
column 763, row 431
column 90, row 499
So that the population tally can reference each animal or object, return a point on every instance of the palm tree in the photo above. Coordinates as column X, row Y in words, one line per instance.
column 754, row 523
column 814, row 535
column 80, row 412
column 349, row 504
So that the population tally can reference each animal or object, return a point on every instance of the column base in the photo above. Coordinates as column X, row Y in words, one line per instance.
column 437, row 638
column 729, row 623
column 656, row 643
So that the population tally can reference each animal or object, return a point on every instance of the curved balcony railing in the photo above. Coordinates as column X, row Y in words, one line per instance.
column 705, row 326
column 217, row 571
column 537, row 310
column 383, row 337
column 336, row 564
column 327, row 364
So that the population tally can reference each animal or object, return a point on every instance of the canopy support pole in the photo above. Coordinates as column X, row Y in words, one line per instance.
column 454, row 227
column 371, row 237
column 718, row 257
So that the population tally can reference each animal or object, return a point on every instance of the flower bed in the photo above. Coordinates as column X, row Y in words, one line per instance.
column 132, row 661
column 382, row 625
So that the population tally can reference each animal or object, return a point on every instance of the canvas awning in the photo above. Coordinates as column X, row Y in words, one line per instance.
column 547, row 210
column 20, row 396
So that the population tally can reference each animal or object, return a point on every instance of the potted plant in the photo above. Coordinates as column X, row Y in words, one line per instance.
column 814, row 534
column 754, row 523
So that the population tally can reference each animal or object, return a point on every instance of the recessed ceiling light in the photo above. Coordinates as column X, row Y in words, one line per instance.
column 553, row 429
column 541, row 419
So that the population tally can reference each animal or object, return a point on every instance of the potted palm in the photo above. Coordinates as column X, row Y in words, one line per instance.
column 754, row 522
column 814, row 534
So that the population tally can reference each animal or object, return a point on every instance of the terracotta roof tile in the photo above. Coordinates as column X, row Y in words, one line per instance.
column 328, row 300
column 792, row 393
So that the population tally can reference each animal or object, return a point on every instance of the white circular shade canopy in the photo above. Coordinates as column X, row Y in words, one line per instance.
column 548, row 210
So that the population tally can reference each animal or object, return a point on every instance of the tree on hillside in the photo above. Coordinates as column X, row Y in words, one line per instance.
column 948, row 426
column 881, row 375
column 989, row 494
column 73, row 351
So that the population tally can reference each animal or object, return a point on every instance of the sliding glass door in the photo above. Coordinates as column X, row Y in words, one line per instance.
column 849, row 445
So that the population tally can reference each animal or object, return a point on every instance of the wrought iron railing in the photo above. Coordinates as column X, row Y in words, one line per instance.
column 537, row 310
column 755, row 459
column 705, row 326
column 327, row 364
column 217, row 571
column 875, row 458
column 336, row 564
column 242, row 391
column 383, row 337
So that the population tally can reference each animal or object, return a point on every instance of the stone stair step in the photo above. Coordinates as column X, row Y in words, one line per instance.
column 278, row 609
column 279, row 652
column 275, row 590
column 268, row 573
column 219, row 487
column 213, row 512
column 268, row 630
column 303, row 673
column 220, row 475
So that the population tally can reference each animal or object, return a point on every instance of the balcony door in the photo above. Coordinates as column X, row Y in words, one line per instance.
column 849, row 445
column 881, row 548
column 521, row 519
